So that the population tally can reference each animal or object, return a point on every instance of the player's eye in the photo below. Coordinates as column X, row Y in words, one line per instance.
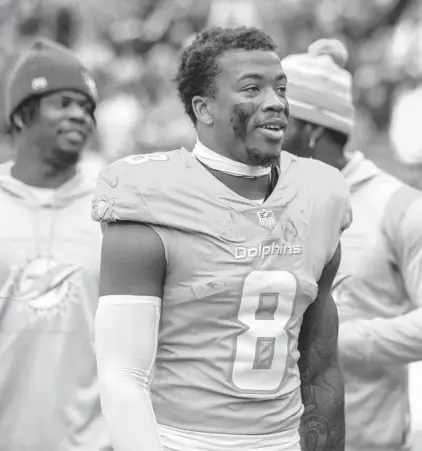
column 282, row 89
column 87, row 107
column 251, row 89
column 65, row 102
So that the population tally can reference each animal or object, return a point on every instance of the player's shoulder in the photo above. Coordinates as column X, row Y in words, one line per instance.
column 321, row 177
column 152, row 168
column 328, row 188
column 403, row 210
column 125, row 186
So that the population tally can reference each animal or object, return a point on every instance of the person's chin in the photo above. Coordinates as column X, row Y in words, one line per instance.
column 267, row 147
column 75, row 149
column 71, row 146
column 67, row 155
column 266, row 157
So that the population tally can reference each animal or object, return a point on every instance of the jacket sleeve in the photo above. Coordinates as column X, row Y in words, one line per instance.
column 393, row 341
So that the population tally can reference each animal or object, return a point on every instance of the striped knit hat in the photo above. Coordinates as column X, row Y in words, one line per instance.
column 319, row 89
column 47, row 67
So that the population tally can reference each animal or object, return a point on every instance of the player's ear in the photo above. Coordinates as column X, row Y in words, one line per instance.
column 18, row 121
column 202, row 110
column 314, row 133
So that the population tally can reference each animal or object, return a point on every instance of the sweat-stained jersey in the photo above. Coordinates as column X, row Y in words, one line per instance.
column 239, row 278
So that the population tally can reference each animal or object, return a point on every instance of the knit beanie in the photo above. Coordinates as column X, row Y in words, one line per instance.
column 319, row 89
column 47, row 67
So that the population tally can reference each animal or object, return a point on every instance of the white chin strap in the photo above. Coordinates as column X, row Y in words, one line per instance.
column 216, row 161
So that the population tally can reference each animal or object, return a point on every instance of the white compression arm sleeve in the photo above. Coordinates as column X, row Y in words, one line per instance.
column 126, row 335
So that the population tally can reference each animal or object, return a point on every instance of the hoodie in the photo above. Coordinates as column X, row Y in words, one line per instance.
column 378, row 291
column 49, row 267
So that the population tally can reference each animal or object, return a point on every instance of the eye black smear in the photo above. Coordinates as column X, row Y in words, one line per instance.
column 242, row 112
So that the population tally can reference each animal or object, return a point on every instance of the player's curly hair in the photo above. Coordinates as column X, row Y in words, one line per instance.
column 198, row 65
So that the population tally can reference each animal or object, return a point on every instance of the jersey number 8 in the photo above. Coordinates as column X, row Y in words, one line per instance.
column 262, row 350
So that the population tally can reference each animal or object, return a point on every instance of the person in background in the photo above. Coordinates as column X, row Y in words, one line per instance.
column 378, row 288
column 49, row 260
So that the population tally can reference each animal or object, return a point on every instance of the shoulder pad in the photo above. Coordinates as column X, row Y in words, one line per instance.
column 332, row 191
column 123, row 186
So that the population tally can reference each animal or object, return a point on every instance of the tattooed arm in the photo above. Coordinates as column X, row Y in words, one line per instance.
column 322, row 425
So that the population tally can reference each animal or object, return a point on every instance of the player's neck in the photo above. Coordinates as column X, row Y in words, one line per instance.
column 246, row 181
column 214, row 160
column 331, row 154
column 40, row 173
column 249, row 188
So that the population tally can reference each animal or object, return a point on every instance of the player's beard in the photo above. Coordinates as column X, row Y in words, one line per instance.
column 254, row 156
column 258, row 158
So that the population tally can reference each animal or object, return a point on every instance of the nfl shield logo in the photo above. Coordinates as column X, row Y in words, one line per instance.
column 267, row 219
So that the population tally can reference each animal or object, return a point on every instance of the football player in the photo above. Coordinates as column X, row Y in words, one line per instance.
column 216, row 329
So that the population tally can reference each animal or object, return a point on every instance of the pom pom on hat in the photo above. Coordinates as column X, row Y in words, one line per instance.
column 330, row 47
column 319, row 89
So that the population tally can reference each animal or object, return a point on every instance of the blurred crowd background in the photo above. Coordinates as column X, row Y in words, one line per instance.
column 132, row 46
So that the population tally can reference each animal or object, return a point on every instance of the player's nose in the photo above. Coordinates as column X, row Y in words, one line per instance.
column 273, row 101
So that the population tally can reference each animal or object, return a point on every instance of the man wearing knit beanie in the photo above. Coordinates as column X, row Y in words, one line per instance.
column 378, row 289
column 49, row 261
